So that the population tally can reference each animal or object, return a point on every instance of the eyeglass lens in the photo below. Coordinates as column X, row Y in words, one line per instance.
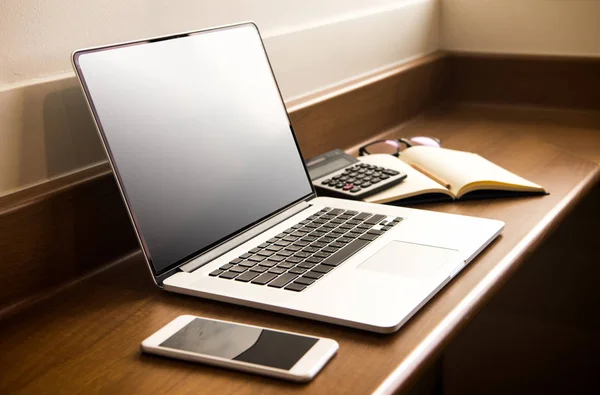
column 394, row 146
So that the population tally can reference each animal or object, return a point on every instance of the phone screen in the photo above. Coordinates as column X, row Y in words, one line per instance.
column 241, row 343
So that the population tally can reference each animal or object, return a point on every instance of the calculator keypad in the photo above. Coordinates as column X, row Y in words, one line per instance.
column 360, row 180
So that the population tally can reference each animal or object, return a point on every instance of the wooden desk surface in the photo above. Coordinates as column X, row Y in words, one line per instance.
column 86, row 337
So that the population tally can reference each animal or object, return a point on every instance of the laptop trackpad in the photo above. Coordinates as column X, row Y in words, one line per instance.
column 408, row 259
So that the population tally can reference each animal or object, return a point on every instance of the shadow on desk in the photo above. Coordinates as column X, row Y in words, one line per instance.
column 540, row 334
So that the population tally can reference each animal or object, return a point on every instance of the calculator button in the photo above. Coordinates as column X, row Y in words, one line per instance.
column 355, row 189
column 391, row 172
column 369, row 172
column 327, row 181
column 365, row 184
column 353, row 174
column 367, row 178
column 384, row 176
column 375, row 180
column 348, row 187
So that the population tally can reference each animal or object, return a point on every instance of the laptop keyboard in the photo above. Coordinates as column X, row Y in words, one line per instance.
column 304, row 253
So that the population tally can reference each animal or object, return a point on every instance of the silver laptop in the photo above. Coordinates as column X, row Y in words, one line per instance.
column 213, row 179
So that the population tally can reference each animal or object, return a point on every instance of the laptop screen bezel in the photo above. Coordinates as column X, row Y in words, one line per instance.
column 160, row 275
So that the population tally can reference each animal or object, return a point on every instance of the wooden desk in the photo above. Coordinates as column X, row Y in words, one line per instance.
column 86, row 337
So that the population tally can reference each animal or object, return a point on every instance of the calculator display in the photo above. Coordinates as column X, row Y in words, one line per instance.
column 327, row 167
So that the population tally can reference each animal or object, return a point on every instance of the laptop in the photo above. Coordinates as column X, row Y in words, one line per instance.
column 210, row 170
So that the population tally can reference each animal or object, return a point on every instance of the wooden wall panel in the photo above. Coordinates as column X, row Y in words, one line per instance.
column 545, row 81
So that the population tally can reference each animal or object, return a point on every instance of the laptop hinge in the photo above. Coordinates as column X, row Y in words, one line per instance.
column 242, row 238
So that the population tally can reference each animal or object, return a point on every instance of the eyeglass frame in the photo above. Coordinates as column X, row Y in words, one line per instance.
column 362, row 151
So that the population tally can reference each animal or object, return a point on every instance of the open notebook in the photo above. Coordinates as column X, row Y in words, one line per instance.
column 447, row 174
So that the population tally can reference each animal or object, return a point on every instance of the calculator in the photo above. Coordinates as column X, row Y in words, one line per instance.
column 336, row 173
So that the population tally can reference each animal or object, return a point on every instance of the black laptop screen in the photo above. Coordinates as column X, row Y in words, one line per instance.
column 198, row 134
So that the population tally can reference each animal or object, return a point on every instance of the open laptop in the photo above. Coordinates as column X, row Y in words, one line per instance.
column 212, row 176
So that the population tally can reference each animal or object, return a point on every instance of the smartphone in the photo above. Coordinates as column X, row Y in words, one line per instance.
column 247, row 348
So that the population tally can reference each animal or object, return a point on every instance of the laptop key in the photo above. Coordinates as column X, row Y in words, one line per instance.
column 344, row 253
column 276, row 258
column 368, row 237
column 238, row 269
column 313, row 259
column 295, row 287
column 228, row 275
column 314, row 275
column 247, row 263
column 277, row 270
column 256, row 258
column 236, row 261
column 362, row 216
column 263, row 245
column 259, row 269
column 294, row 259
column 323, row 269
column 282, row 243
column 273, row 247
column 248, row 276
column 226, row 266
column 264, row 278
column 283, row 280
column 215, row 273
column 375, row 232
column 286, row 265
column 293, row 248
column 375, row 219
column 272, row 240
column 268, row 263
column 298, row 270
column 305, row 280
column 246, row 255
column 265, row 253
column 253, row 251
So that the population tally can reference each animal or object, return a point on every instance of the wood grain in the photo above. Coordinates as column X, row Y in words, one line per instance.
column 86, row 338
column 545, row 81
column 59, row 235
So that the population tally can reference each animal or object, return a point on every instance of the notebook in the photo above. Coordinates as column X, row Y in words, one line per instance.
column 436, row 174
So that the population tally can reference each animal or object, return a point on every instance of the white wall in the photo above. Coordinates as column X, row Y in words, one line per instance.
column 544, row 27
column 342, row 37
column 44, row 129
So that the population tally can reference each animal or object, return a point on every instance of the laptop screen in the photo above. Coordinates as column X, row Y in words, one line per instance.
column 198, row 135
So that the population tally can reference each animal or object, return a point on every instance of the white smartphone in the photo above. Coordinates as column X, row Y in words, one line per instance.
column 248, row 348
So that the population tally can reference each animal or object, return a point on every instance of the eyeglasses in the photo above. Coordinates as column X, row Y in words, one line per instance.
column 395, row 146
